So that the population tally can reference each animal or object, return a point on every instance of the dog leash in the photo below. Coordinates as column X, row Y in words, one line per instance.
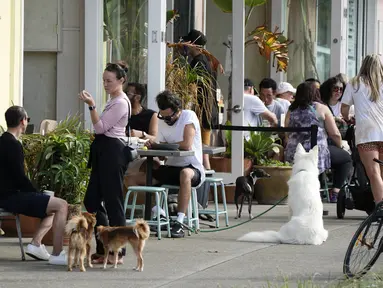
column 231, row 227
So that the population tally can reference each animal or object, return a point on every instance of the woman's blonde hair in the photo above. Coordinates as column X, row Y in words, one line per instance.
column 371, row 73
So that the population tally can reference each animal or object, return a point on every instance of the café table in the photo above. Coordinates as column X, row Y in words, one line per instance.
column 210, row 150
column 151, row 153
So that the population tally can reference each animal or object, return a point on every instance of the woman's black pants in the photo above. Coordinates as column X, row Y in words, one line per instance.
column 341, row 165
column 104, row 195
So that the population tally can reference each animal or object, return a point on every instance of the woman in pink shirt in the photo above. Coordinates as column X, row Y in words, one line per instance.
column 104, row 195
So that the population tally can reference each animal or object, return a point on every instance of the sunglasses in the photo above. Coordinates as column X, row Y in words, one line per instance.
column 166, row 118
column 337, row 89
column 132, row 94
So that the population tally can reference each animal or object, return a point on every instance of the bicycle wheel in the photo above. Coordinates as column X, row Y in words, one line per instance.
column 368, row 239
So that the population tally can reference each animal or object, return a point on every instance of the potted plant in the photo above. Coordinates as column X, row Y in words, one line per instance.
column 223, row 163
column 261, row 147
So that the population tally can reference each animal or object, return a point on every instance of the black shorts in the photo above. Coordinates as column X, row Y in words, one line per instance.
column 170, row 175
column 26, row 203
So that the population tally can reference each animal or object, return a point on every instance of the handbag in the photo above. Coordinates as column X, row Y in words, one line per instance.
column 130, row 153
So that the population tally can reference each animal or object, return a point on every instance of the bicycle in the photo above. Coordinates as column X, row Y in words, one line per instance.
column 371, row 241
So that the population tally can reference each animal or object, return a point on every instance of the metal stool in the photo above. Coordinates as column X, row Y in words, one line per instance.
column 161, row 197
column 191, row 218
column 215, row 182
column 4, row 213
column 325, row 189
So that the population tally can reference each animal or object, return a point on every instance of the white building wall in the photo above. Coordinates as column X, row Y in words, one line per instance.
column 53, row 53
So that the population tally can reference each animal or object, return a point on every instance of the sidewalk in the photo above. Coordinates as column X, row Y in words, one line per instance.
column 203, row 260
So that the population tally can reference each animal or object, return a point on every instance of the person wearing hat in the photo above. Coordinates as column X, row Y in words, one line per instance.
column 200, row 60
column 285, row 95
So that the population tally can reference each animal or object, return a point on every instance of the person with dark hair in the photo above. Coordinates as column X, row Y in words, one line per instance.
column 315, row 82
column 181, row 127
column 18, row 195
column 267, row 91
column 142, row 124
column 331, row 92
column 104, row 195
column 210, row 113
column 304, row 112
column 254, row 109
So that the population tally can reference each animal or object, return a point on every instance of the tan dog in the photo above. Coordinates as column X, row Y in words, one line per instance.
column 115, row 238
column 80, row 231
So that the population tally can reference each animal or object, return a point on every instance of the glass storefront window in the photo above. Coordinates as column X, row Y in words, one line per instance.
column 125, row 36
column 302, row 29
column 309, row 54
column 353, row 35
column 323, row 47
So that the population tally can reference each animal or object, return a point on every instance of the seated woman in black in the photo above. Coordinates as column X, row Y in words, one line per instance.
column 142, row 124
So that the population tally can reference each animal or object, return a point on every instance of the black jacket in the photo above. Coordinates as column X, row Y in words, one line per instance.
column 12, row 174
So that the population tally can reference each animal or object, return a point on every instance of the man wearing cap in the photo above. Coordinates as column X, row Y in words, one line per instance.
column 198, row 59
column 285, row 95
column 254, row 109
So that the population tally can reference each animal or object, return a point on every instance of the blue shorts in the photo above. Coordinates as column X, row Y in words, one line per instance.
column 26, row 203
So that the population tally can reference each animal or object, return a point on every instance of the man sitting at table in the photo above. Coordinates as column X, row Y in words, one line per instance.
column 181, row 127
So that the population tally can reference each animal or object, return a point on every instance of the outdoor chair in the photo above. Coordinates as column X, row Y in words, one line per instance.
column 4, row 213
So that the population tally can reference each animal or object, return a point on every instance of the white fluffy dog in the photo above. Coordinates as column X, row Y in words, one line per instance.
column 305, row 204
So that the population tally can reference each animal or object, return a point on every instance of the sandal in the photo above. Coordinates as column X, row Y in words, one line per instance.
column 97, row 259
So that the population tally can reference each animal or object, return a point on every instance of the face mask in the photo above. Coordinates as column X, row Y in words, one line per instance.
column 170, row 122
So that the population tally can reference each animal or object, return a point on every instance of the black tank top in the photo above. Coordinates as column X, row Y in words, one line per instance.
column 141, row 121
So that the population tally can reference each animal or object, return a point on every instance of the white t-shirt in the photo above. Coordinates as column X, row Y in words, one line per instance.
column 277, row 109
column 368, row 114
column 336, row 109
column 252, row 109
column 284, row 103
column 175, row 134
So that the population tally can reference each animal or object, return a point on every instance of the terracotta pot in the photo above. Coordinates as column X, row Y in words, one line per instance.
column 28, row 226
column 270, row 191
column 222, row 164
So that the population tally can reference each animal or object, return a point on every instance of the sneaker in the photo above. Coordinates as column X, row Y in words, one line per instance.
column 153, row 227
column 37, row 252
column 59, row 260
column 177, row 231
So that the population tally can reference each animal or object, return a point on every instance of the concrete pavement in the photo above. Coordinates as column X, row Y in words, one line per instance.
column 203, row 260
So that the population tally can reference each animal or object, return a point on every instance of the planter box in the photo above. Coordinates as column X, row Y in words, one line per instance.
column 270, row 191
column 223, row 165
column 28, row 226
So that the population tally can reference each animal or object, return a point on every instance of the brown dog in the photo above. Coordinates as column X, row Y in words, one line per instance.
column 115, row 238
column 80, row 231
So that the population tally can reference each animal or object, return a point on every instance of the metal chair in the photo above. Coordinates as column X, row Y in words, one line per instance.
column 4, row 213
column 161, row 197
